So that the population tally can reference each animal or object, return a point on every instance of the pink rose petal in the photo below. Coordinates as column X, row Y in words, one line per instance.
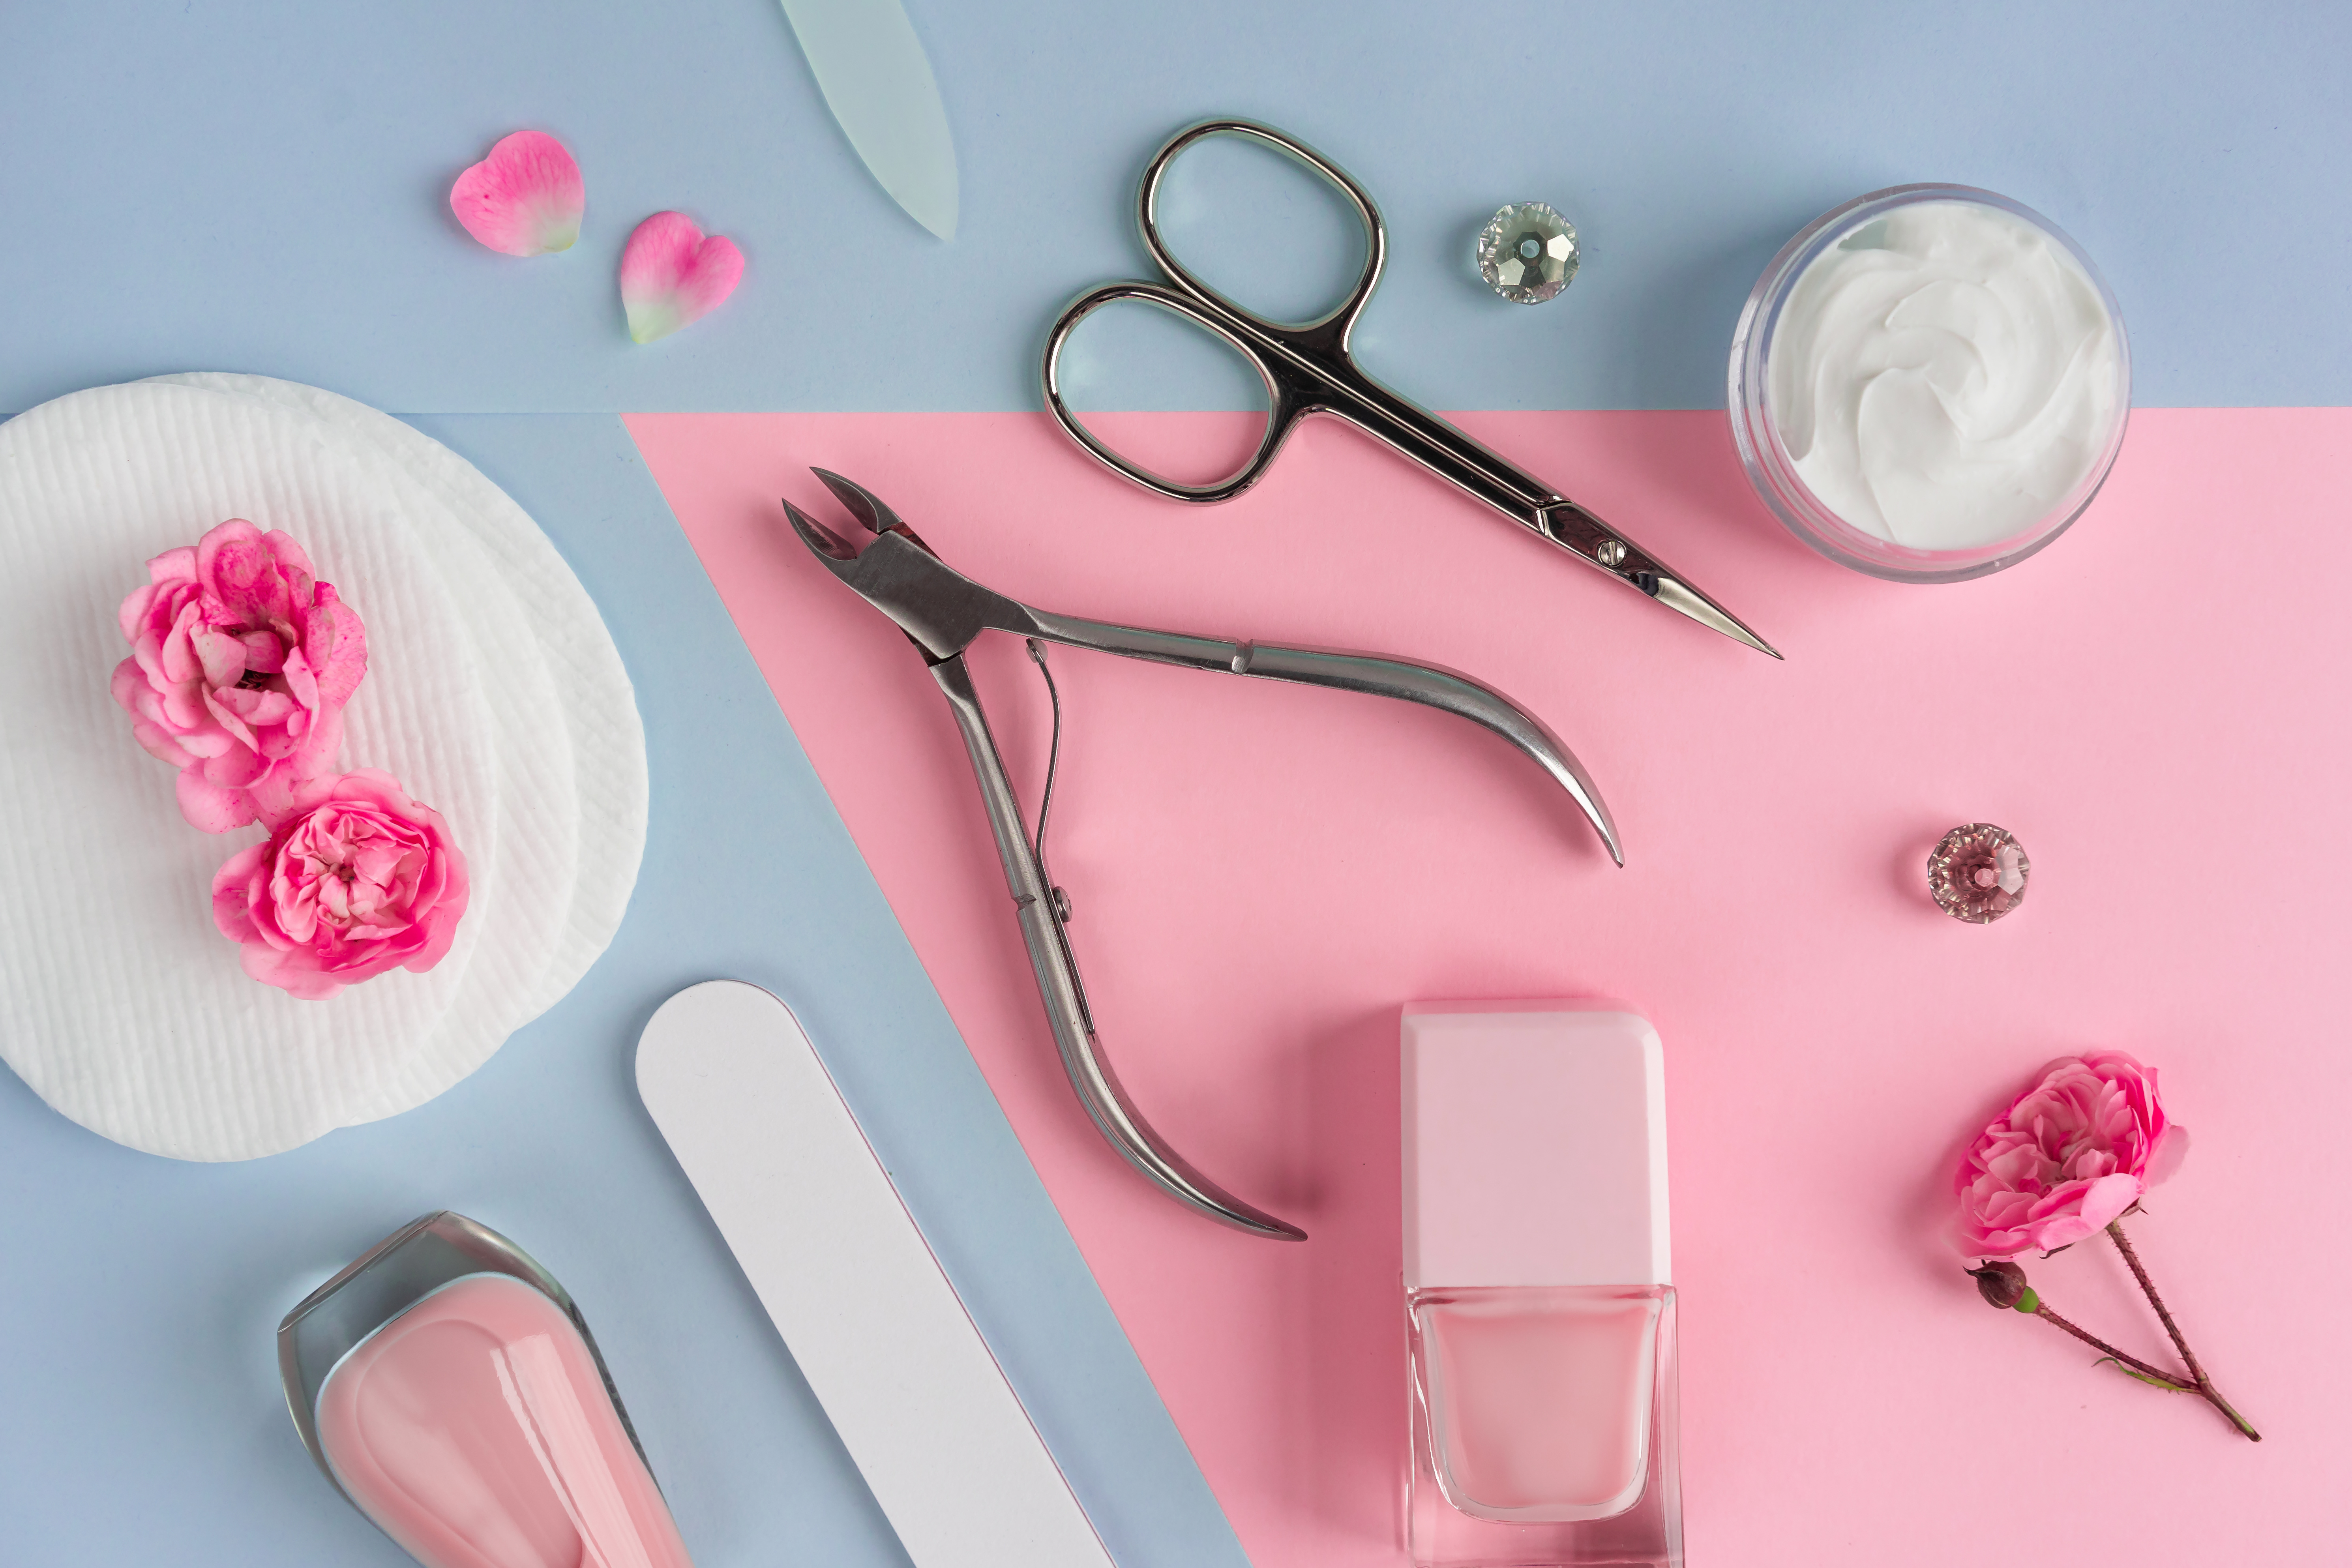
column 334, row 647
column 525, row 198
column 211, row 807
column 257, row 577
column 671, row 275
column 2072, row 1153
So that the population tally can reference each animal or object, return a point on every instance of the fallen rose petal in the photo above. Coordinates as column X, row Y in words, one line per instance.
column 671, row 275
column 525, row 199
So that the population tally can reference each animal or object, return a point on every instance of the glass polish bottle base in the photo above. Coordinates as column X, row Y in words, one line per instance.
column 1474, row 1432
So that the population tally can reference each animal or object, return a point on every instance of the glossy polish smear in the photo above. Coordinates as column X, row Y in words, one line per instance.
column 1945, row 375
column 475, row 1428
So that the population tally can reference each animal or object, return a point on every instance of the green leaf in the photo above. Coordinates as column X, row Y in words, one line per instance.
column 2141, row 1377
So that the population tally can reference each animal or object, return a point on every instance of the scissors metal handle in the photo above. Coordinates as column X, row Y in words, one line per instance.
column 1341, row 316
column 1308, row 368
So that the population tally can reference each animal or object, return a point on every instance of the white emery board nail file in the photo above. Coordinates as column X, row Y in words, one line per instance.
column 748, row 1109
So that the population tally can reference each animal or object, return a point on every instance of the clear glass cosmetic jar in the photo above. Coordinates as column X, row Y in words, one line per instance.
column 1774, row 473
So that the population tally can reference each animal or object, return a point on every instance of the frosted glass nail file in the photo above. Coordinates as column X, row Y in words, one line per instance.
column 877, row 81
column 747, row 1108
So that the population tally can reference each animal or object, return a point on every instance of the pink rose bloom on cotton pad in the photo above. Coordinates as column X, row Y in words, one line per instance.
column 2071, row 1154
column 360, row 879
column 240, row 665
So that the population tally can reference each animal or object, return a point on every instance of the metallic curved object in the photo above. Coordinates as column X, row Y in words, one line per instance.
column 942, row 612
column 1309, row 368
column 1046, row 933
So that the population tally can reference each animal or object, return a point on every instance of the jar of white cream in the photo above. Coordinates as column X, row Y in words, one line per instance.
column 1929, row 383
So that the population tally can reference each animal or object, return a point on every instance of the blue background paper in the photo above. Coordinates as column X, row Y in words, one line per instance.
column 262, row 187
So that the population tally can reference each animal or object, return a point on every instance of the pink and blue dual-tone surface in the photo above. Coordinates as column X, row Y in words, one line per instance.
column 1263, row 875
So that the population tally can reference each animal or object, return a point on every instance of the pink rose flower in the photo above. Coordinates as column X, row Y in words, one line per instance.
column 2071, row 1154
column 358, row 879
column 240, row 665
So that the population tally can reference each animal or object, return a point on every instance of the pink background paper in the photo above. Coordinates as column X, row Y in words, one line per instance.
column 1263, row 874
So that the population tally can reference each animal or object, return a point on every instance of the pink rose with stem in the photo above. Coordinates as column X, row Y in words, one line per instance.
column 356, row 880
column 241, row 663
column 2070, row 1155
column 2069, row 1158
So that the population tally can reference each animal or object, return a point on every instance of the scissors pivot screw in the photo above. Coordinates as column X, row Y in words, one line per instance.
column 1612, row 552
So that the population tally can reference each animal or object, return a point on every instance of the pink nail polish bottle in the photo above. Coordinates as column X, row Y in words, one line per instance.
column 1536, row 1280
column 448, row 1386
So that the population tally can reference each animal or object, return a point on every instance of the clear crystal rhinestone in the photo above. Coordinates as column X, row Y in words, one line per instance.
column 1528, row 253
column 1978, row 873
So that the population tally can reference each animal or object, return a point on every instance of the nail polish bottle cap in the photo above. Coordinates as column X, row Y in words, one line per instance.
column 1534, row 1145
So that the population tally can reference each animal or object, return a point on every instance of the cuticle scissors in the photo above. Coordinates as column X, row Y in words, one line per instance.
column 1307, row 369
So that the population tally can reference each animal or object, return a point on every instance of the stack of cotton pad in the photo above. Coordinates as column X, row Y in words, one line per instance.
column 493, row 692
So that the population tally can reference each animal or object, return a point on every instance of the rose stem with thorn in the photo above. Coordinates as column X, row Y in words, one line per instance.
column 2002, row 1284
column 2148, row 1287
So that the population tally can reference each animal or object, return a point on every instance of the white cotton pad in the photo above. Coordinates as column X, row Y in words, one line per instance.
column 554, row 718
column 127, row 1010
column 519, row 910
column 607, row 738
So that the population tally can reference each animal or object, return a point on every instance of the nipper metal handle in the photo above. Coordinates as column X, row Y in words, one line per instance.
column 1057, row 982
column 1427, row 684
column 942, row 613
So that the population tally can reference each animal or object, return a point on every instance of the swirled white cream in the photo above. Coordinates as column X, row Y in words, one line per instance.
column 1945, row 375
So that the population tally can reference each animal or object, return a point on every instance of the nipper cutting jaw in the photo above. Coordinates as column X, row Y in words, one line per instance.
column 942, row 612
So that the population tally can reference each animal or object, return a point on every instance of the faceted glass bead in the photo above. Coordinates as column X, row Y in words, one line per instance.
column 1527, row 254
column 1978, row 873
